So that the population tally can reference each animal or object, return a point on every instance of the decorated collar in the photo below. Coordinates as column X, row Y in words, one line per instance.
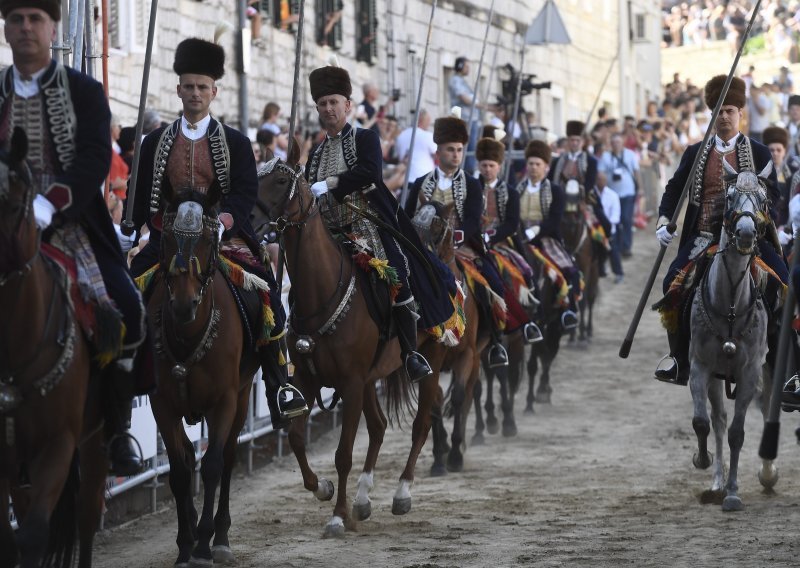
column 197, row 130
column 744, row 160
column 458, row 189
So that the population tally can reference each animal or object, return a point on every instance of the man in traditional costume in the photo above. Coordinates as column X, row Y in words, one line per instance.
column 67, row 120
column 776, row 138
column 541, row 210
column 702, row 223
column 448, row 183
column 200, row 153
column 500, row 222
column 346, row 168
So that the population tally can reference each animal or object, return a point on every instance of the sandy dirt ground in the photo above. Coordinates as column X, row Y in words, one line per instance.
column 600, row 477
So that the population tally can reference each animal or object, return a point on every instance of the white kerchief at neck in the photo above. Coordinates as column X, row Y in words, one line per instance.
column 443, row 181
column 725, row 145
column 572, row 156
column 197, row 130
column 533, row 187
column 493, row 184
column 29, row 88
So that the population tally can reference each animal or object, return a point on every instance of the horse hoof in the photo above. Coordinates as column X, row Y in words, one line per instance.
column 528, row 410
column 492, row 425
column 455, row 464
column 769, row 479
column 200, row 562
column 401, row 506
column 478, row 440
column 222, row 554
column 334, row 528
column 732, row 503
column 324, row 490
column 702, row 463
column 509, row 430
column 438, row 470
column 543, row 397
column 362, row 511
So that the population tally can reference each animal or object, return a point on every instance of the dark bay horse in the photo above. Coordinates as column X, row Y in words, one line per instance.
column 332, row 338
column 49, row 401
column 206, row 372
column 579, row 243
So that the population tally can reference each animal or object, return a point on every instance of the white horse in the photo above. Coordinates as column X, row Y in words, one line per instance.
column 729, row 333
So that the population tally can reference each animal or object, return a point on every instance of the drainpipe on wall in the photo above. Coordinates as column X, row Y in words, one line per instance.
column 243, row 40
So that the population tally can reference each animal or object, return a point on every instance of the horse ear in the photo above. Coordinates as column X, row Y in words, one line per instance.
column 19, row 145
column 294, row 153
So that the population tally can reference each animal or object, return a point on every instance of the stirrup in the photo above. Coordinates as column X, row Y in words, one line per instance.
column 422, row 362
column 790, row 397
column 531, row 333
column 136, row 461
column 298, row 410
column 569, row 320
column 671, row 375
column 498, row 356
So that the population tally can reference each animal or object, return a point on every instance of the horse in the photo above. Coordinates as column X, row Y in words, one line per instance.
column 333, row 341
column 207, row 370
column 729, row 334
column 580, row 245
column 49, row 393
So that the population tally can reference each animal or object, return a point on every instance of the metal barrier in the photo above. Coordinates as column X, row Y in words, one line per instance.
column 143, row 428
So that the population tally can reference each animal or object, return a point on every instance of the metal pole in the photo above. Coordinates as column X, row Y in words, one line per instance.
column 89, row 36
column 625, row 348
column 600, row 92
column 478, row 78
column 488, row 90
column 127, row 224
column 404, row 189
column 517, row 97
column 105, row 9
column 296, row 85
column 244, row 119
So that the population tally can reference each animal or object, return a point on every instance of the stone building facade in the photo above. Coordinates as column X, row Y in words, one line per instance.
column 382, row 41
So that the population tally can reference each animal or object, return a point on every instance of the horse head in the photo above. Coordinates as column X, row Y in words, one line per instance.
column 432, row 222
column 189, row 252
column 746, row 208
column 284, row 198
column 18, row 233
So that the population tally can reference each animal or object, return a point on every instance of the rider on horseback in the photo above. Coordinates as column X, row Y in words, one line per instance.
column 541, row 209
column 703, row 220
column 200, row 153
column 448, row 183
column 499, row 222
column 67, row 121
column 347, row 170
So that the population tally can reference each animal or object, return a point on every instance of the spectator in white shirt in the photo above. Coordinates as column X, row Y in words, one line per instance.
column 609, row 199
column 424, row 147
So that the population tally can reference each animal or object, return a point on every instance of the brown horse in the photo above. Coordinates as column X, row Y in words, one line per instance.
column 332, row 338
column 579, row 244
column 206, row 373
column 49, row 404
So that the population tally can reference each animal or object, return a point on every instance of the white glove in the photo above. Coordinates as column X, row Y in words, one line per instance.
column 319, row 188
column 220, row 230
column 664, row 236
column 783, row 237
column 43, row 211
column 532, row 232
column 794, row 210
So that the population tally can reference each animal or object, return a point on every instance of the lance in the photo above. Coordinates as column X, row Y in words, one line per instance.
column 599, row 93
column 127, row 225
column 625, row 348
column 296, row 85
column 404, row 190
column 478, row 76
column 513, row 122
column 768, row 449
column 489, row 81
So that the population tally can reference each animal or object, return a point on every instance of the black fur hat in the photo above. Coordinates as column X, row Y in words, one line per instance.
column 199, row 57
column 538, row 149
column 575, row 128
column 329, row 80
column 450, row 129
column 52, row 7
column 773, row 134
column 736, row 92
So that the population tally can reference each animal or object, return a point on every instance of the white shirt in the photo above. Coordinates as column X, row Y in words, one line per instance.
column 533, row 187
column 30, row 88
column 610, row 202
column 424, row 150
column 725, row 145
column 443, row 181
column 200, row 128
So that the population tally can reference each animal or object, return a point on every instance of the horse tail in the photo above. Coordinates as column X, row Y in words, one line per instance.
column 400, row 396
column 447, row 403
column 64, row 522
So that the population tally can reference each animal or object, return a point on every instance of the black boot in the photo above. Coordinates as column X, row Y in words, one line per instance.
column 284, row 400
column 569, row 317
column 415, row 364
column 124, row 457
column 677, row 371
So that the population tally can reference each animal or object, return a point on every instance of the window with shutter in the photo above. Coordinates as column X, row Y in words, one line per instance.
column 366, row 31
column 329, row 23
column 116, row 31
column 284, row 13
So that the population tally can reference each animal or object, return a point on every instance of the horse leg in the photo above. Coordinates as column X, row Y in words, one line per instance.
column 533, row 368
column 221, row 548
column 440, row 446
column 719, row 422
column 7, row 543
column 351, row 415
column 549, row 352
column 744, row 395
column 94, row 468
column 492, row 425
column 768, row 474
column 477, row 392
column 322, row 488
column 509, row 381
column 376, row 428
column 700, row 422
column 455, row 458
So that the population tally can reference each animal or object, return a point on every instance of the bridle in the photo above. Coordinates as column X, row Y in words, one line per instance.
column 287, row 219
column 734, row 212
column 19, row 174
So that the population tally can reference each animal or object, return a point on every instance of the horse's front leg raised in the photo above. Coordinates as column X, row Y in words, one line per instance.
column 376, row 427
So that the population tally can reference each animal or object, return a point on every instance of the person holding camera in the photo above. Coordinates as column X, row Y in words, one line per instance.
column 622, row 168
column 461, row 95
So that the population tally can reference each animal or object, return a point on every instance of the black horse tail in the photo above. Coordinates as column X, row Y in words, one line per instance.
column 400, row 398
column 64, row 522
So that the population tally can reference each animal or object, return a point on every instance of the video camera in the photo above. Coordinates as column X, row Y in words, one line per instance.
column 527, row 86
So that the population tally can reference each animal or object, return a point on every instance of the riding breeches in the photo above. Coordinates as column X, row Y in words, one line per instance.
column 122, row 289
